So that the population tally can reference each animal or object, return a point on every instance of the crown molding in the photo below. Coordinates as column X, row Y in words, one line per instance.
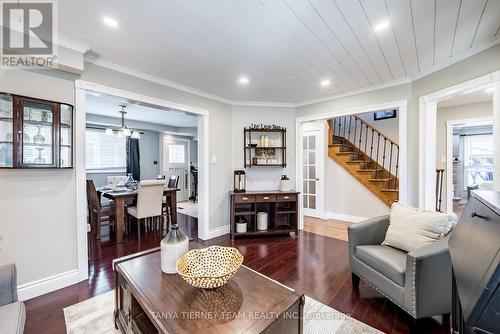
column 71, row 44
column 148, row 77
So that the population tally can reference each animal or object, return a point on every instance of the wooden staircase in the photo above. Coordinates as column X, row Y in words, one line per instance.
column 368, row 155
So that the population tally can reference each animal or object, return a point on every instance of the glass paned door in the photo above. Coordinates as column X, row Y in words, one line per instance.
column 37, row 134
column 6, row 131
column 311, row 170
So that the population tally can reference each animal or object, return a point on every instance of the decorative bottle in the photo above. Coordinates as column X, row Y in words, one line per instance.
column 173, row 246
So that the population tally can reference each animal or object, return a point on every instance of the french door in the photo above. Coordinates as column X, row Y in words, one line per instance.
column 176, row 162
column 312, row 169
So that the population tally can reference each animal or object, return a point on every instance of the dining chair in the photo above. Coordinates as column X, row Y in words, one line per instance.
column 114, row 180
column 98, row 213
column 173, row 182
column 160, row 177
column 149, row 202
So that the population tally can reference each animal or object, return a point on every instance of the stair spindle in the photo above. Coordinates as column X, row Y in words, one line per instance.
column 371, row 147
column 397, row 167
column 349, row 132
column 390, row 164
column 345, row 123
column 355, row 130
column 383, row 157
column 366, row 138
column 360, row 134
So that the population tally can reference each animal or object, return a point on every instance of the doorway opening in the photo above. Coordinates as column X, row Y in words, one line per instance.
column 331, row 148
column 123, row 138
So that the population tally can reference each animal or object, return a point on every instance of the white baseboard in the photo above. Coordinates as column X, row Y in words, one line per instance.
column 217, row 232
column 45, row 285
column 347, row 218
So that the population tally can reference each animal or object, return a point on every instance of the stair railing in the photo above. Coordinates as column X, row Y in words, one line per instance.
column 439, row 189
column 377, row 148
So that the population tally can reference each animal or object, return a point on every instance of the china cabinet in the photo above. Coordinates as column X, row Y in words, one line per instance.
column 35, row 133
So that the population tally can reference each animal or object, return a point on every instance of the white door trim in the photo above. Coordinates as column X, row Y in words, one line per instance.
column 449, row 155
column 402, row 105
column 320, row 165
column 427, row 134
column 81, row 87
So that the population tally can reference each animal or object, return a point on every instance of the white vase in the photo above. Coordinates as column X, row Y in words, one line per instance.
column 262, row 221
column 173, row 246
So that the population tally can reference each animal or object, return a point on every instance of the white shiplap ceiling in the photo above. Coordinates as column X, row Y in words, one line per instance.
column 285, row 47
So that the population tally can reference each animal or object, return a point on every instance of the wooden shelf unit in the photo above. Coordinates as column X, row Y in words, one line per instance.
column 250, row 149
column 281, row 207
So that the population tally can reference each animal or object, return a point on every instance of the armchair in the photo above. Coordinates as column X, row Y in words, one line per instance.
column 419, row 282
column 12, row 311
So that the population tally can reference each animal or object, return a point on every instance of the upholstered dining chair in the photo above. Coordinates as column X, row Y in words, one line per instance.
column 149, row 202
column 98, row 213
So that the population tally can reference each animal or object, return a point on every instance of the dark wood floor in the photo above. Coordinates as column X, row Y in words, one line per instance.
column 310, row 263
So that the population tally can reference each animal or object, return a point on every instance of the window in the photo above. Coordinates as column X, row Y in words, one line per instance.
column 176, row 154
column 478, row 159
column 105, row 153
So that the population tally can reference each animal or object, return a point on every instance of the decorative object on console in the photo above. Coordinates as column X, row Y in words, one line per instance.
column 173, row 246
column 239, row 181
column 241, row 225
column 210, row 267
column 285, row 183
column 262, row 221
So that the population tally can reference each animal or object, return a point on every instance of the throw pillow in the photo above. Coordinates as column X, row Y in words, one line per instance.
column 410, row 228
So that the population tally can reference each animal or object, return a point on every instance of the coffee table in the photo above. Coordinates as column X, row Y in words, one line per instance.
column 149, row 301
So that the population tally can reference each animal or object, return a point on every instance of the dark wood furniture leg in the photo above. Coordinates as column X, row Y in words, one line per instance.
column 172, row 203
column 120, row 218
column 355, row 281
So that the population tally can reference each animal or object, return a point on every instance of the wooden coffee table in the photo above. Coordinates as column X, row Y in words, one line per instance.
column 149, row 301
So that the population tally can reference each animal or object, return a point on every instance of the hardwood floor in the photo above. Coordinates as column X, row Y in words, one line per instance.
column 336, row 229
column 311, row 263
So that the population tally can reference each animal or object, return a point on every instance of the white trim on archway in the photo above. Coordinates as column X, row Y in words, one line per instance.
column 427, row 135
column 81, row 87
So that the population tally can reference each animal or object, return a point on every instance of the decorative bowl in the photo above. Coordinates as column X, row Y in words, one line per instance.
column 209, row 268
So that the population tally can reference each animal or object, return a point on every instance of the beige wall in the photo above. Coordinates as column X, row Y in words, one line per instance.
column 459, row 112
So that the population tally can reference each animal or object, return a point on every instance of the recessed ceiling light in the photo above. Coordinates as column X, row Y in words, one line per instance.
column 325, row 83
column 110, row 21
column 489, row 90
column 243, row 80
column 381, row 25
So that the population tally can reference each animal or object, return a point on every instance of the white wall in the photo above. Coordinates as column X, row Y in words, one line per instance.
column 444, row 114
column 346, row 196
column 37, row 207
column 263, row 178
column 389, row 127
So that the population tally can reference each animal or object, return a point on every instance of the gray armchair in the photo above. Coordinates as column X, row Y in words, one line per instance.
column 12, row 311
column 419, row 281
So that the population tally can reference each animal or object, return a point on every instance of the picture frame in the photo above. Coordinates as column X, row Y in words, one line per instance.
column 386, row 114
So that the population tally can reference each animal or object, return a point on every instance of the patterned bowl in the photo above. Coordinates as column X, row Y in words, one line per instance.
column 209, row 268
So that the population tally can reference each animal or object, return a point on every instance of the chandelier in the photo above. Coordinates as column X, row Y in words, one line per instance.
column 124, row 130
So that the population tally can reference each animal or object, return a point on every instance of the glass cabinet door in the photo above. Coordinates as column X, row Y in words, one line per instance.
column 36, row 136
column 6, row 130
column 66, row 140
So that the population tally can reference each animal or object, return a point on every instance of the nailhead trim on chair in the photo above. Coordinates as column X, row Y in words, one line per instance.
column 414, row 288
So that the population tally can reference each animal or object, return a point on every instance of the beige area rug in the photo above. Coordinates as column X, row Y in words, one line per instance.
column 188, row 208
column 95, row 316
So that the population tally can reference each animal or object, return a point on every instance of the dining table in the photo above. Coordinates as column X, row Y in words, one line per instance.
column 122, row 196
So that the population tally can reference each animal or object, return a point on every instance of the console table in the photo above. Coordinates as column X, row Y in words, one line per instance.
column 281, row 207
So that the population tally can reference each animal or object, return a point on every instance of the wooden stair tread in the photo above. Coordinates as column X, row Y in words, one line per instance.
column 369, row 170
column 356, row 161
column 379, row 180
column 390, row 190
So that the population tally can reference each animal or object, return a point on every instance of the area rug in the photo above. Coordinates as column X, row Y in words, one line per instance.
column 95, row 316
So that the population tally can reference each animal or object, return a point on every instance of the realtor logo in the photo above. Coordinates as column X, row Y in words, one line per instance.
column 28, row 34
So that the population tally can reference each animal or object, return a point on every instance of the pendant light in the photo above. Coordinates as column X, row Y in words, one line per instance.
column 123, row 131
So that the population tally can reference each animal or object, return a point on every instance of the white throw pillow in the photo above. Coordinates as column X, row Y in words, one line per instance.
column 410, row 228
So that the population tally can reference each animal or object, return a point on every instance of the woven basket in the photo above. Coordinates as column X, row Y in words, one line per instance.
column 209, row 268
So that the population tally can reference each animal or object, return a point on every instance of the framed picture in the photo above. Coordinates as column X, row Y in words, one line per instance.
column 380, row 115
